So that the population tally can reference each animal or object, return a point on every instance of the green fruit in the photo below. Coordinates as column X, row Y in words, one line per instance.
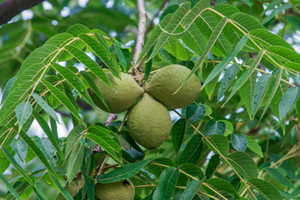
column 72, row 189
column 127, row 92
column 149, row 123
column 122, row 190
column 167, row 80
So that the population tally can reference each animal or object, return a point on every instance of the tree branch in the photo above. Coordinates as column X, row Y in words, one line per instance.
column 141, row 30
column 110, row 119
column 10, row 8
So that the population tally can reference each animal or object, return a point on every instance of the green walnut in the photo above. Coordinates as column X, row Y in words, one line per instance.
column 126, row 92
column 149, row 122
column 122, row 190
column 72, row 189
column 167, row 80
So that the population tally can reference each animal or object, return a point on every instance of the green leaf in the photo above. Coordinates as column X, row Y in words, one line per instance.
column 260, row 91
column 287, row 101
column 229, row 127
column 154, row 38
column 195, row 113
column 228, row 78
column 273, row 88
column 45, row 106
column 242, row 80
column 265, row 188
column 176, row 19
column 104, row 55
column 194, row 40
column 20, row 147
column 243, row 164
column 94, row 87
column 121, row 56
column 219, row 185
column 219, row 68
column 14, row 98
column 217, row 143
column 7, row 88
column 89, row 63
column 126, row 136
column 45, row 146
column 9, row 187
column 123, row 172
column 213, row 38
column 89, row 186
column 271, row 6
column 276, row 11
column 239, row 142
column 23, row 112
column 71, row 78
column 284, row 54
column 190, row 169
column 247, row 93
column 214, row 127
column 22, row 172
column 192, row 151
column 191, row 190
column 279, row 177
column 254, row 146
column 166, row 184
column 177, row 49
column 157, row 169
column 62, row 98
column 212, row 166
column 74, row 160
column 62, row 190
column 177, row 133
column 102, row 137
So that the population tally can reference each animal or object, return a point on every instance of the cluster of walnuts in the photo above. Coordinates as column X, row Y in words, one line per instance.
column 149, row 122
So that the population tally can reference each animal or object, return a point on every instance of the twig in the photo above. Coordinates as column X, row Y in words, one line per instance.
column 156, row 15
column 213, row 3
column 141, row 30
column 10, row 8
column 110, row 119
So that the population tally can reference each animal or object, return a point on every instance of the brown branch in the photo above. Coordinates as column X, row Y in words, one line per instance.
column 10, row 8
column 110, row 119
column 156, row 15
column 141, row 30
column 212, row 3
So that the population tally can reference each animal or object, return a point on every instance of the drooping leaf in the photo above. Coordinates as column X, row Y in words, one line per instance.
column 192, row 151
column 62, row 98
column 260, row 91
column 23, row 112
column 214, row 162
column 45, row 106
column 20, row 147
column 166, row 184
column 7, row 89
column 177, row 133
column 9, row 187
column 214, row 127
column 190, row 169
column 254, row 146
column 217, row 143
column 276, row 11
column 239, row 142
column 288, row 99
column 219, row 68
column 242, row 80
column 214, row 36
column 243, row 164
column 22, row 172
column 123, row 172
column 228, row 78
column 220, row 184
column 247, row 93
column 191, row 190
column 195, row 113
column 265, row 188
column 89, row 185
column 275, row 174
column 126, row 136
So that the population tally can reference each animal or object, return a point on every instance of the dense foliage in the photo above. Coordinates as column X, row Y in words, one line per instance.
column 238, row 140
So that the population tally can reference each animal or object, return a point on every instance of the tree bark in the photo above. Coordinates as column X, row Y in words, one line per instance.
column 10, row 8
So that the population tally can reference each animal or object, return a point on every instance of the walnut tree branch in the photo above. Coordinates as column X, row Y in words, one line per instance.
column 10, row 8
column 141, row 30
